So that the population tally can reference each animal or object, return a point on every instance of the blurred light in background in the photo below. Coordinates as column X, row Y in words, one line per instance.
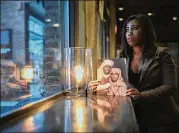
column 48, row 20
column 56, row 25
column 149, row 14
column 120, row 8
column 121, row 19
column 174, row 18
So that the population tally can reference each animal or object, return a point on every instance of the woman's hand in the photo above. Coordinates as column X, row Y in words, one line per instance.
column 133, row 92
column 93, row 85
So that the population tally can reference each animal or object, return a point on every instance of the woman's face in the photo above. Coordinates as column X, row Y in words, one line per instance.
column 133, row 33
column 106, row 69
column 114, row 76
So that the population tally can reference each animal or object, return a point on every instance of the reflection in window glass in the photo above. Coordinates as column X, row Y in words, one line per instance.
column 36, row 43
column 36, row 50
column 36, row 26
column 35, row 73
column 4, row 37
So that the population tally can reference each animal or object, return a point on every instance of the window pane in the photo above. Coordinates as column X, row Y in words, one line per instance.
column 34, row 72
column 36, row 26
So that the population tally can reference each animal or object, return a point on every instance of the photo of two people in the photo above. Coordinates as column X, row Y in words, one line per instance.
column 111, row 77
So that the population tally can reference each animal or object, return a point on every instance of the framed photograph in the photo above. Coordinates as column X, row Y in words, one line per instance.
column 111, row 77
column 6, row 43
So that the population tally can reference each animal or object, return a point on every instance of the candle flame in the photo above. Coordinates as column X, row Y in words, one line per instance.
column 79, row 73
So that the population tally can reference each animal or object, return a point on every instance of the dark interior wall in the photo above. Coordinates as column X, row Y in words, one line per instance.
column 163, row 11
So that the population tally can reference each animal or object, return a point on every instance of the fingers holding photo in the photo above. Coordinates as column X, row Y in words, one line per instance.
column 133, row 92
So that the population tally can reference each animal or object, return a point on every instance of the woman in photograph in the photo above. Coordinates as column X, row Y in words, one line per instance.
column 117, row 85
column 152, row 73
column 101, row 85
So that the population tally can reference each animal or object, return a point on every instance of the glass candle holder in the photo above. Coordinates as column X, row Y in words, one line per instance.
column 78, row 69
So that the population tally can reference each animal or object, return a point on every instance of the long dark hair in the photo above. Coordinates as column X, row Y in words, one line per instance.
column 148, row 35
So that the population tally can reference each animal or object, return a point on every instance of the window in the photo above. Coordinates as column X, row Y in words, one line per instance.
column 6, row 44
column 36, row 44
column 33, row 40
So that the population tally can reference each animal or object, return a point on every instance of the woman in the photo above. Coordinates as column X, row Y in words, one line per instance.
column 152, row 73
column 117, row 85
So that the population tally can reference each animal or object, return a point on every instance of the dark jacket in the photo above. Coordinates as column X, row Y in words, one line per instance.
column 158, row 81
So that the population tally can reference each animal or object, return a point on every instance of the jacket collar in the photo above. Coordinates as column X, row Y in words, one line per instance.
column 145, row 62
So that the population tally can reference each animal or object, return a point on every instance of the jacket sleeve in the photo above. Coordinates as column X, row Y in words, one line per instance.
column 169, row 79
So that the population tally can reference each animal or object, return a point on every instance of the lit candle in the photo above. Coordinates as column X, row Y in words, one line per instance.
column 79, row 74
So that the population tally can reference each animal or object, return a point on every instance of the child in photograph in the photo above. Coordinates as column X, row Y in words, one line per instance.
column 117, row 85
